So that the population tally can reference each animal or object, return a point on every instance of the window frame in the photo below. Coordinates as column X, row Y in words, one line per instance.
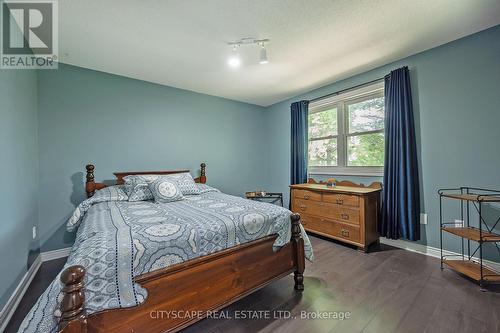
column 341, row 101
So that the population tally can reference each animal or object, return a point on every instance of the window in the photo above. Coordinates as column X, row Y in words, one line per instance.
column 346, row 133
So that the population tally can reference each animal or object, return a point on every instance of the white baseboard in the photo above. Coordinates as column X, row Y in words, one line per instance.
column 14, row 300
column 17, row 295
column 55, row 254
column 431, row 251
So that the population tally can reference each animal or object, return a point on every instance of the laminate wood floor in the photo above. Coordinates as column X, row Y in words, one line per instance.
column 389, row 290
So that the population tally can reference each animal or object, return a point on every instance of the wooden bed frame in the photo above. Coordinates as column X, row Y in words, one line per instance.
column 198, row 286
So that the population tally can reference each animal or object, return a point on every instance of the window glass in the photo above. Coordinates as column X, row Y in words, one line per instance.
column 366, row 115
column 323, row 152
column 366, row 150
column 322, row 124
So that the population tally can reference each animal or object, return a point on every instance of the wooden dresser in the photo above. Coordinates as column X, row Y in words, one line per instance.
column 346, row 213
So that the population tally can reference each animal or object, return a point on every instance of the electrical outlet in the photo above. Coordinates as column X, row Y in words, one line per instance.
column 459, row 223
column 423, row 218
column 34, row 232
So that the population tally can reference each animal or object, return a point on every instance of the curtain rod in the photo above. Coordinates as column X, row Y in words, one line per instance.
column 347, row 89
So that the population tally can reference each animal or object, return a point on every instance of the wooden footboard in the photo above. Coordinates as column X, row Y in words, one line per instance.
column 197, row 286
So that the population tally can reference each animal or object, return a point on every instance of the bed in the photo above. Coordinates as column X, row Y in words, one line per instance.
column 148, row 267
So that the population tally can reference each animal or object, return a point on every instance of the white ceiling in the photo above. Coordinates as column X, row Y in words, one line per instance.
column 313, row 42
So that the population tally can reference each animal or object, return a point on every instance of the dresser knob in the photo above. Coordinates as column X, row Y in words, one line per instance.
column 306, row 197
column 344, row 216
column 340, row 201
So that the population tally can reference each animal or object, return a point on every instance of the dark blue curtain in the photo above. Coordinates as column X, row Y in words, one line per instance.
column 401, row 198
column 299, row 145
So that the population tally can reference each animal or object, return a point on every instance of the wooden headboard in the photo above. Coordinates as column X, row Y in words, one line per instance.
column 91, row 186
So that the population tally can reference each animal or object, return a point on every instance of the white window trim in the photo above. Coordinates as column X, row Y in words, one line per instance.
column 346, row 171
column 359, row 92
column 328, row 103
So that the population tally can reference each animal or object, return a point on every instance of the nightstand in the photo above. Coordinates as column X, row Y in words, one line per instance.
column 268, row 197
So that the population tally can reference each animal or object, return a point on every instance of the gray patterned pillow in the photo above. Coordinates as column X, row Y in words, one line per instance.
column 185, row 182
column 204, row 188
column 165, row 190
column 137, row 188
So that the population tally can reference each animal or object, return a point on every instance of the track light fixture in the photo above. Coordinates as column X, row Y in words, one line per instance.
column 263, row 55
column 234, row 59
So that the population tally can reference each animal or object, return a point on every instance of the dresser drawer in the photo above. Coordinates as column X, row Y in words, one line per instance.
column 326, row 210
column 346, row 231
column 345, row 215
column 315, row 223
column 306, row 195
column 333, row 228
column 342, row 199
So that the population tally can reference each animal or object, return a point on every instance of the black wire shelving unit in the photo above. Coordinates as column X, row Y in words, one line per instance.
column 471, row 198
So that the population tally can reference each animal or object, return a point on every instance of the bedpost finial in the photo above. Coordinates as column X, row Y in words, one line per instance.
column 90, row 184
column 73, row 303
column 73, row 275
column 203, row 175
column 90, row 172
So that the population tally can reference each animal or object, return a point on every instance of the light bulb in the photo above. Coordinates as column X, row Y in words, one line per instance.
column 234, row 59
column 263, row 55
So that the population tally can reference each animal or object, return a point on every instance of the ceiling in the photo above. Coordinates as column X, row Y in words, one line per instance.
column 313, row 42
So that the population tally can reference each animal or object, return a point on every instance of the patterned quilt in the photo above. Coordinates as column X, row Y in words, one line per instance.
column 117, row 240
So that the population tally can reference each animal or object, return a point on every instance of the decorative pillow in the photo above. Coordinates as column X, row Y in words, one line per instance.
column 137, row 188
column 185, row 182
column 165, row 190
column 204, row 188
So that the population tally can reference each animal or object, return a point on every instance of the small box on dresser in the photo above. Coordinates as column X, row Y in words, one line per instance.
column 346, row 213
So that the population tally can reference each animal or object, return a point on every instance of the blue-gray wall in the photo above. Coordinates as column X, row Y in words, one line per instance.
column 456, row 98
column 18, row 176
column 122, row 124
